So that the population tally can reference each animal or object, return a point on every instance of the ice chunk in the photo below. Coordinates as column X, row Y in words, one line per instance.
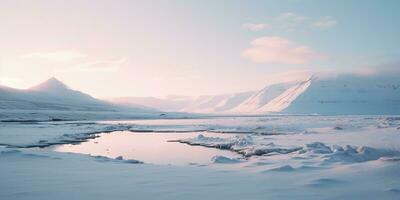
column 318, row 147
column 224, row 160
column 132, row 161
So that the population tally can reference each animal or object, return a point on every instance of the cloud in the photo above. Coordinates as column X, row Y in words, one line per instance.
column 279, row 50
column 58, row 56
column 325, row 22
column 289, row 16
column 254, row 27
column 74, row 61
column 289, row 21
column 97, row 66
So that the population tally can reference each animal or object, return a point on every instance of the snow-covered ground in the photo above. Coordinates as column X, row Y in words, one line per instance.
column 284, row 157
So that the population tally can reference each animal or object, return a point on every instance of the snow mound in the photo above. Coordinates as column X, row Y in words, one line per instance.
column 233, row 143
column 117, row 159
column 244, row 145
column 284, row 168
column 224, row 160
column 361, row 154
column 347, row 153
column 327, row 154
column 10, row 152
column 133, row 161
column 268, row 149
column 325, row 182
column 130, row 161
column 317, row 148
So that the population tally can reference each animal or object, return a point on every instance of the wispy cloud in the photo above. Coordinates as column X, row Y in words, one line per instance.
column 279, row 50
column 59, row 56
column 75, row 61
column 325, row 22
column 292, row 21
column 254, row 27
column 97, row 66
column 289, row 16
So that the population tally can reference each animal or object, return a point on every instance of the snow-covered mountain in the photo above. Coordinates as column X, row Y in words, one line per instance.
column 260, row 99
column 201, row 104
column 345, row 94
column 341, row 94
column 55, row 95
column 169, row 104
column 285, row 98
column 216, row 103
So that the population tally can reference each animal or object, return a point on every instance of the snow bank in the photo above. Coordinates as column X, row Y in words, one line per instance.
column 235, row 143
column 26, row 135
column 247, row 146
column 242, row 144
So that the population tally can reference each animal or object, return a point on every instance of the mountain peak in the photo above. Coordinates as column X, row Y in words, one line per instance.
column 50, row 85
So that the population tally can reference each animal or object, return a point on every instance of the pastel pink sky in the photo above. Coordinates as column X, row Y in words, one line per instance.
column 143, row 48
column 279, row 50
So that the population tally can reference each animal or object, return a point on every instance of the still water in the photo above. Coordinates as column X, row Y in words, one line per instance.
column 148, row 147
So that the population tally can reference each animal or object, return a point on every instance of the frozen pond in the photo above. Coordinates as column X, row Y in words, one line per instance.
column 148, row 147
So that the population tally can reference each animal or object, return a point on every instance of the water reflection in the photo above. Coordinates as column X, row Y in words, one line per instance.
column 148, row 147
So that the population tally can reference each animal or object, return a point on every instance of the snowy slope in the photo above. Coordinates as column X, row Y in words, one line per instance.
column 205, row 104
column 233, row 101
column 349, row 94
column 261, row 98
column 200, row 104
column 285, row 99
column 343, row 94
column 217, row 103
column 54, row 95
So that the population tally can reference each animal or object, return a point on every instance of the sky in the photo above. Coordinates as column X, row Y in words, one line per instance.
column 183, row 47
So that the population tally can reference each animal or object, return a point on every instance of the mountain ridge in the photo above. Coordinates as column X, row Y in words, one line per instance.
column 53, row 94
column 341, row 94
column 316, row 94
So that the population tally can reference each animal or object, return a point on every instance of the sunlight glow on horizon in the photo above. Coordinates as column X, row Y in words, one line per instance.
column 190, row 48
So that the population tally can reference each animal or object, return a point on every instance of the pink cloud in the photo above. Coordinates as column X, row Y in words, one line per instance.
column 291, row 17
column 325, row 22
column 279, row 50
column 254, row 27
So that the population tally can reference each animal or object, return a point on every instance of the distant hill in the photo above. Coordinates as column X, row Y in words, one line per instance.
column 55, row 95
column 338, row 95
column 200, row 104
